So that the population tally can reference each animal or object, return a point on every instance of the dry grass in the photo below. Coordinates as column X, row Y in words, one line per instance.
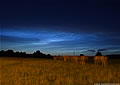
column 20, row 71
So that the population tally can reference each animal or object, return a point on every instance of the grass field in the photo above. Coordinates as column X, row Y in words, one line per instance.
column 33, row 71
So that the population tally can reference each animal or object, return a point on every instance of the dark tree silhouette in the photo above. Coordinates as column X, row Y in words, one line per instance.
column 2, row 53
column 11, row 53
column 81, row 54
column 37, row 54
column 41, row 55
column 98, row 54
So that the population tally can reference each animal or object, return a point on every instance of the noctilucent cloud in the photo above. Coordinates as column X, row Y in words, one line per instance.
column 60, row 27
column 58, row 42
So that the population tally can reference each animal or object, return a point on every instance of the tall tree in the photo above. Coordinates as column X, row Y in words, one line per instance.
column 98, row 54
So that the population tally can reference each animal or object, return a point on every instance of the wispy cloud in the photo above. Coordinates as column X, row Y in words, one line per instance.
column 102, row 49
column 89, row 51
column 57, row 41
column 13, row 39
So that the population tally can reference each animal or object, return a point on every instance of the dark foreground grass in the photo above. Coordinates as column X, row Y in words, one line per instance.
column 33, row 71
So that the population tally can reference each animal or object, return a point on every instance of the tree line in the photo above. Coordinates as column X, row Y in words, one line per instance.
column 11, row 53
column 38, row 54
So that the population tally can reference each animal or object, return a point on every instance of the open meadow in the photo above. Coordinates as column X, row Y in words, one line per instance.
column 35, row 71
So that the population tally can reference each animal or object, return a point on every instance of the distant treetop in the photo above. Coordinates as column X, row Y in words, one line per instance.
column 81, row 54
column 98, row 54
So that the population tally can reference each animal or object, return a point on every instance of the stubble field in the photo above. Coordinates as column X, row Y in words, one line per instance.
column 34, row 71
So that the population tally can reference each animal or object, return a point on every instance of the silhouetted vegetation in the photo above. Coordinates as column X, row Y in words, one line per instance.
column 38, row 54
column 98, row 54
column 114, row 56
column 110, row 56
column 81, row 54
column 11, row 53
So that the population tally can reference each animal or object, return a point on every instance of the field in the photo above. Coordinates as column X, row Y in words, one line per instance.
column 33, row 71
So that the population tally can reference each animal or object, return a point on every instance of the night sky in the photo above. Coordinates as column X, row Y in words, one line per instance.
column 60, row 26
